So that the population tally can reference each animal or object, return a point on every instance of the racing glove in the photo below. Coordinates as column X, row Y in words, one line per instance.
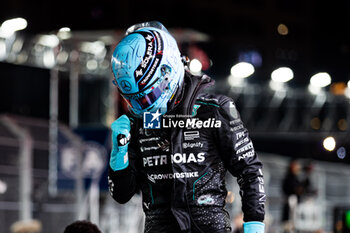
column 253, row 227
column 120, row 140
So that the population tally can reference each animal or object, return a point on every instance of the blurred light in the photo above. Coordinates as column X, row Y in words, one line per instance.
column 49, row 59
column 282, row 29
column 4, row 34
column 253, row 57
column 329, row 143
column 2, row 50
column 91, row 65
column 107, row 39
column 282, row 74
column 195, row 66
column 338, row 88
column 96, row 47
column 199, row 54
column 347, row 219
column 11, row 58
column 314, row 90
column 3, row 187
column 242, row 70
column 276, row 86
column 104, row 64
column 39, row 48
column 321, row 79
column 347, row 92
column 236, row 82
column 49, row 40
column 10, row 26
column 64, row 29
column 64, row 33
column 315, row 123
column 62, row 57
column 342, row 124
column 17, row 46
column 22, row 57
column 341, row 152
column 74, row 56
column 15, row 24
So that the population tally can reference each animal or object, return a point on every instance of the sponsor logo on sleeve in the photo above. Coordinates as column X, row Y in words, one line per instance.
column 262, row 197
column 206, row 200
column 123, row 140
column 191, row 135
column 233, row 110
column 192, row 145
column 110, row 185
column 195, row 109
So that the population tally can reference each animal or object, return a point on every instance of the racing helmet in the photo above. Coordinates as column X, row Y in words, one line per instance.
column 148, row 68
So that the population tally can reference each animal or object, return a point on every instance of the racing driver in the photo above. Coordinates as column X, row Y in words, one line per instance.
column 177, row 143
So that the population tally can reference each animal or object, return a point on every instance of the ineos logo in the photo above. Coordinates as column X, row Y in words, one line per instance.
column 125, row 85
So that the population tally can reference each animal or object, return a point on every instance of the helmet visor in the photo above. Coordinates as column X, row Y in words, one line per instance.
column 145, row 101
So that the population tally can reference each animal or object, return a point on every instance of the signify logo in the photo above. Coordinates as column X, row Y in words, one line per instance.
column 153, row 121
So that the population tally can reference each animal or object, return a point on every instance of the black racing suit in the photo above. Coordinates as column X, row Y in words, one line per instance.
column 181, row 169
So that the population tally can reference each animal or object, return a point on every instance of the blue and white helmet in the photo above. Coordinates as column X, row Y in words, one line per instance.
column 148, row 68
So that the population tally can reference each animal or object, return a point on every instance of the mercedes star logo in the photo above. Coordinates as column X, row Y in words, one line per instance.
column 125, row 85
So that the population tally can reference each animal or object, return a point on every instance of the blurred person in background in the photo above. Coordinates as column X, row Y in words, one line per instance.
column 26, row 226
column 82, row 226
column 238, row 223
column 292, row 188
column 309, row 188
column 296, row 187
column 180, row 170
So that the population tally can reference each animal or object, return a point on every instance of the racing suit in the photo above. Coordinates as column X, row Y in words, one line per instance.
column 181, row 170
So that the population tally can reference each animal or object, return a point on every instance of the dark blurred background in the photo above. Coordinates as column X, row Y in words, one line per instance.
column 55, row 83
column 317, row 39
